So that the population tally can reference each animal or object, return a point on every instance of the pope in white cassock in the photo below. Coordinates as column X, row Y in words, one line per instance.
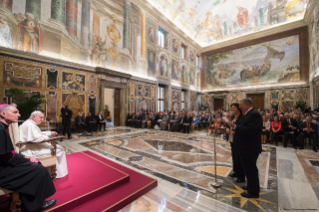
column 30, row 132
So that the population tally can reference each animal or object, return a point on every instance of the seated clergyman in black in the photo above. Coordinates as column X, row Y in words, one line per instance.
column 90, row 123
column 79, row 123
column 20, row 173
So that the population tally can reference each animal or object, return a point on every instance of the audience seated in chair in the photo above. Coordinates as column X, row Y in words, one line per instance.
column 266, row 129
column 90, row 123
column 187, row 121
column 30, row 132
column 144, row 119
column 21, row 173
column 290, row 127
column 129, row 119
column 175, row 122
column 308, row 129
column 79, row 123
column 164, row 122
column 217, row 123
column 100, row 121
column 138, row 120
column 275, row 128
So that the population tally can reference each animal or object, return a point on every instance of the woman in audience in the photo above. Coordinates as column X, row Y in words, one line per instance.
column 276, row 127
column 266, row 129
column 195, row 120
column 237, row 168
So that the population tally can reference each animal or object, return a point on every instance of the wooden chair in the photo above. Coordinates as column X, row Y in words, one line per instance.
column 49, row 161
column 15, row 200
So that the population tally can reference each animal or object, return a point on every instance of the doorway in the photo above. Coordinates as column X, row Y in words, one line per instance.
column 109, row 104
column 258, row 100
column 117, row 107
column 218, row 104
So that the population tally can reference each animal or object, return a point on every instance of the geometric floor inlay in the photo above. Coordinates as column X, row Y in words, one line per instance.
column 188, row 161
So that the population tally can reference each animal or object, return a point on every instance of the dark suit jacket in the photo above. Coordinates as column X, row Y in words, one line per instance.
column 68, row 117
column 285, row 125
column 98, row 119
column 188, row 120
column 313, row 126
column 79, row 119
column 88, row 119
column 238, row 120
column 247, row 137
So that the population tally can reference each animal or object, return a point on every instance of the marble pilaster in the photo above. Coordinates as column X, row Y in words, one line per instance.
column 143, row 49
column 85, row 23
column 58, row 10
column 71, row 17
column 127, row 24
column 33, row 7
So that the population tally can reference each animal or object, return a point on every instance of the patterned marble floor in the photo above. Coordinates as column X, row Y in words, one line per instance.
column 185, row 163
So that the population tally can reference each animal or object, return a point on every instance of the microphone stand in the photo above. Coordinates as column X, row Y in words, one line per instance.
column 215, row 184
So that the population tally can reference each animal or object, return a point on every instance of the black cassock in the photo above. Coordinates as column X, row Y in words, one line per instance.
column 17, row 173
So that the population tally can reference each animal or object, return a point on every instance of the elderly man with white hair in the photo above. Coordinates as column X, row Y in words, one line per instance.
column 30, row 132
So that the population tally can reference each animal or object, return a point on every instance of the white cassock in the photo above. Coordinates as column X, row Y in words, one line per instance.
column 30, row 132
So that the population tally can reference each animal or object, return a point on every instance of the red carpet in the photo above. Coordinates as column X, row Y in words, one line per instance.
column 88, row 178
column 95, row 184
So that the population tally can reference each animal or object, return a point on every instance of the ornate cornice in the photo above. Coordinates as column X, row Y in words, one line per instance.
column 263, row 33
column 112, row 73
column 139, row 79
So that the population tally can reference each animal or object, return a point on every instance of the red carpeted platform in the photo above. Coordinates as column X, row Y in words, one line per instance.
column 95, row 184
column 88, row 178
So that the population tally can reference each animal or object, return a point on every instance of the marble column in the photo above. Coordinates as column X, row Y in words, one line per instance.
column 85, row 23
column 58, row 10
column 33, row 7
column 71, row 17
column 127, row 24
column 143, row 46
column 7, row 4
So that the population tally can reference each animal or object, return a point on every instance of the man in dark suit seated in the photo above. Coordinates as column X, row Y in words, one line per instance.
column 79, row 123
column 290, row 127
column 187, row 121
column 175, row 122
column 129, row 119
column 204, row 123
column 138, row 120
column 308, row 129
column 100, row 121
column 90, row 123
column 247, row 143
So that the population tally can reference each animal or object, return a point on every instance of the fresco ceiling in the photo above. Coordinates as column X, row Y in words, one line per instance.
column 209, row 22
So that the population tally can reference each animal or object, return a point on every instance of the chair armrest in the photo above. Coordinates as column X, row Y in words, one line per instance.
column 50, row 140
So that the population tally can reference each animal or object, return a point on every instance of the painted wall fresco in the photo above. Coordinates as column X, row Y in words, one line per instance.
column 94, row 33
column 210, row 22
column 313, row 31
column 270, row 62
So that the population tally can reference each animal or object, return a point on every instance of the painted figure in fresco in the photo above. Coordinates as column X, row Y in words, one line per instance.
column 29, row 36
column 192, row 77
column 163, row 66
column 198, row 79
column 191, row 56
column 175, row 45
column 151, row 63
column 99, row 52
column 151, row 34
column 5, row 33
column 175, row 70
column 242, row 17
column 184, row 73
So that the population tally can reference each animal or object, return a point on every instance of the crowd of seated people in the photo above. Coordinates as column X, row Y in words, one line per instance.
column 291, row 124
column 90, row 123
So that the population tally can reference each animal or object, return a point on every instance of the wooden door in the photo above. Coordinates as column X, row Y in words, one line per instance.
column 218, row 104
column 258, row 100
column 117, row 107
